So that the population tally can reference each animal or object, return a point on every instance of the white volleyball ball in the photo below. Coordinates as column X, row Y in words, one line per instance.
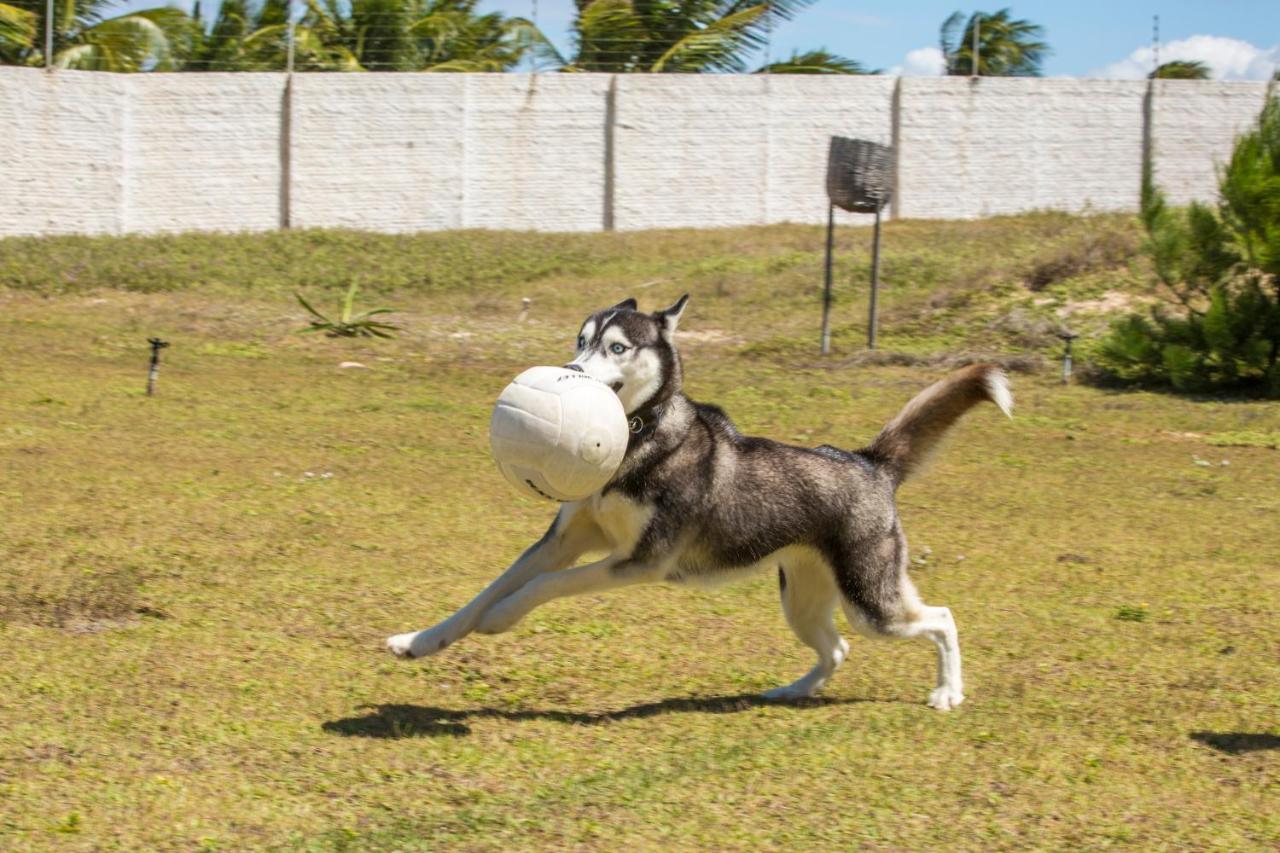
column 558, row 434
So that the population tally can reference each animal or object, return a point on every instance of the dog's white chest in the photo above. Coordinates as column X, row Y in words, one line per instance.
column 621, row 519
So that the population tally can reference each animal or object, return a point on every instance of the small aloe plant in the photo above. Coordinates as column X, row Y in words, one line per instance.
column 349, row 324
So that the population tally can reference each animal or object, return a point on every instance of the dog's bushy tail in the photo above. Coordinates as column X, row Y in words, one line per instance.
column 904, row 445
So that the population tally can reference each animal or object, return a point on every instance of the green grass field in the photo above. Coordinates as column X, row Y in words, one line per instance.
column 195, row 587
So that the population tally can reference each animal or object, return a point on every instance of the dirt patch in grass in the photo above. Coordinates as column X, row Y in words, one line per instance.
column 1111, row 302
column 76, row 599
column 1080, row 254
column 1013, row 362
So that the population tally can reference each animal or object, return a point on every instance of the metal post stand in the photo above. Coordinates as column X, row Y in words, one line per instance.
column 859, row 180
column 826, row 285
column 875, row 281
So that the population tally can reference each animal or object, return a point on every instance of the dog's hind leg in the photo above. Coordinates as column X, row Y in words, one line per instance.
column 809, row 598
column 571, row 535
column 879, row 599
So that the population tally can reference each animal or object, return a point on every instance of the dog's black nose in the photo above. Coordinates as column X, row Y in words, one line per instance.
column 576, row 367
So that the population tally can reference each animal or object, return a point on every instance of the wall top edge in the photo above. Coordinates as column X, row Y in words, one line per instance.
column 810, row 79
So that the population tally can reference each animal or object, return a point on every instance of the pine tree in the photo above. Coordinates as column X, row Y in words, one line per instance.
column 1220, row 271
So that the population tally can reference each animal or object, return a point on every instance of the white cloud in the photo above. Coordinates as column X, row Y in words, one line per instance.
column 921, row 62
column 1227, row 58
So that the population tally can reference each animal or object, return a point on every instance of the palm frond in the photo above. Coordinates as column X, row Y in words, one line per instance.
column 1007, row 47
column 715, row 47
column 1181, row 69
column 815, row 62
column 607, row 34
column 947, row 39
column 525, row 38
column 17, row 30
column 126, row 43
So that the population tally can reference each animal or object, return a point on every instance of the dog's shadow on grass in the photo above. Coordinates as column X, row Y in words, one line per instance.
column 1237, row 743
column 403, row 721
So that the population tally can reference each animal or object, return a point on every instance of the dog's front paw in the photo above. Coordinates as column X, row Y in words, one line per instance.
column 419, row 644
column 401, row 645
column 945, row 698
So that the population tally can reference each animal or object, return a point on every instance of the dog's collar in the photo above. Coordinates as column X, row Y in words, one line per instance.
column 642, row 424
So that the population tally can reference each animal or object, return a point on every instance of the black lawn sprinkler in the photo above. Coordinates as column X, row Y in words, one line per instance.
column 154, row 373
column 1067, row 338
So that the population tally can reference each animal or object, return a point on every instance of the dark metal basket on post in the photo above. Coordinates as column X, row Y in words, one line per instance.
column 859, row 174
column 859, row 180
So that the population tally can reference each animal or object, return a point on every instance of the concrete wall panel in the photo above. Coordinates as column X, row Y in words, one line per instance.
column 691, row 151
column 379, row 151
column 203, row 152
column 974, row 148
column 535, row 151
column 61, row 152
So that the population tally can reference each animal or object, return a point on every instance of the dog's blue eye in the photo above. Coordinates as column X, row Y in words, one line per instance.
column 617, row 349
column 582, row 341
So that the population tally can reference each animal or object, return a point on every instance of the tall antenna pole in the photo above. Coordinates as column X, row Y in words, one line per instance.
column 768, row 37
column 289, row 59
column 48, row 35
column 977, row 25
column 1155, row 43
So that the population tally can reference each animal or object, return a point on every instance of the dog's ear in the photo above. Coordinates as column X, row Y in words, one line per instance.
column 669, row 318
column 625, row 305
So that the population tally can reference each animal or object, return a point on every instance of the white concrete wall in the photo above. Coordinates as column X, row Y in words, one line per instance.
column 61, row 152
column 379, row 151
column 535, row 151
column 983, row 147
column 690, row 152
column 93, row 153
column 1194, row 123
column 203, row 150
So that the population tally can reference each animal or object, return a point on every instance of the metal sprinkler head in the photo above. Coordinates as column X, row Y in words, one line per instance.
column 154, row 372
column 1067, row 337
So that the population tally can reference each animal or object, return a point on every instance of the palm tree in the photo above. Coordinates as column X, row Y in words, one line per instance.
column 815, row 62
column 365, row 35
column 1007, row 47
column 448, row 35
column 18, row 30
column 86, row 36
column 1181, row 69
column 687, row 36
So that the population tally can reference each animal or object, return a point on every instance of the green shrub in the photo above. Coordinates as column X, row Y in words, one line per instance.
column 1220, row 270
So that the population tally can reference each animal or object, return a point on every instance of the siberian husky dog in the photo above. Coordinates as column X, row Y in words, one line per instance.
column 695, row 500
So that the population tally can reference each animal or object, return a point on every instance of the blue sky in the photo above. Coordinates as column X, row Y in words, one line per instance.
column 1239, row 39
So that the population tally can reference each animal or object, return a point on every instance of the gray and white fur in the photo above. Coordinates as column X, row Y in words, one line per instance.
column 697, row 501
